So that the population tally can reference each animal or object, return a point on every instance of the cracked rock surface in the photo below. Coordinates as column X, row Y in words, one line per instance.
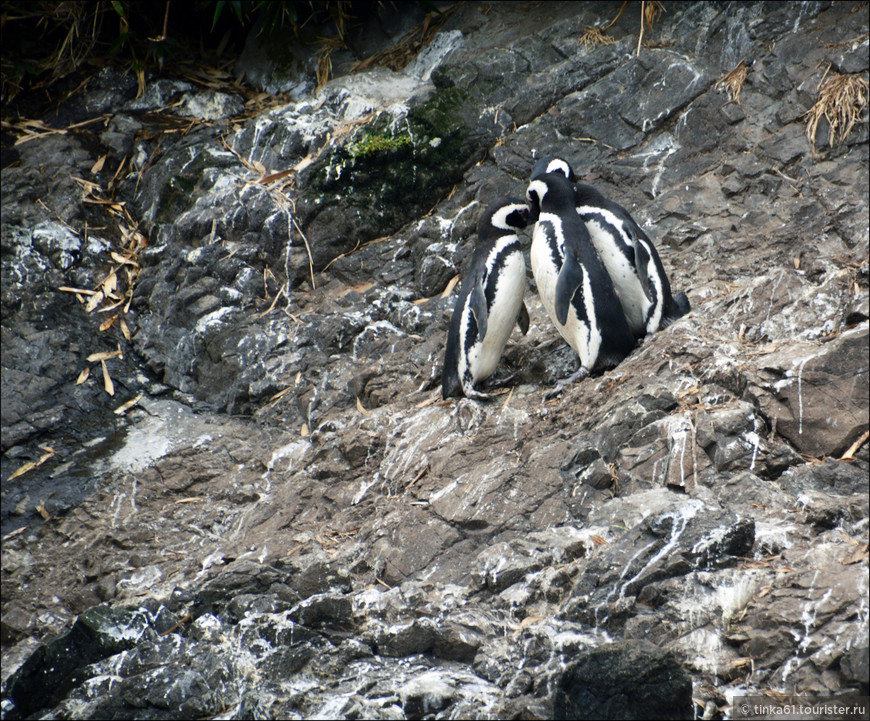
column 289, row 523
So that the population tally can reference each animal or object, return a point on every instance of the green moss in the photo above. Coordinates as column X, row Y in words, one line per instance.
column 393, row 170
column 442, row 115
column 374, row 143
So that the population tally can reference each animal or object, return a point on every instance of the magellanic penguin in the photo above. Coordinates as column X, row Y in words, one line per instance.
column 490, row 301
column 574, row 286
column 628, row 254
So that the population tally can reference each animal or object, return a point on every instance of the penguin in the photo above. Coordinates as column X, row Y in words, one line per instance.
column 490, row 301
column 628, row 254
column 574, row 286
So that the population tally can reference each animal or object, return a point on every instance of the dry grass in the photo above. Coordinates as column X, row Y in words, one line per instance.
column 649, row 13
column 842, row 100
column 409, row 45
column 595, row 36
column 733, row 81
column 83, row 25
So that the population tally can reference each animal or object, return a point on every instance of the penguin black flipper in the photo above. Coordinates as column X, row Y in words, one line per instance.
column 523, row 319
column 570, row 279
column 676, row 309
column 642, row 259
column 681, row 301
column 478, row 308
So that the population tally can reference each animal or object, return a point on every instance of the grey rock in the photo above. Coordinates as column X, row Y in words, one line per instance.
column 625, row 680
column 300, row 508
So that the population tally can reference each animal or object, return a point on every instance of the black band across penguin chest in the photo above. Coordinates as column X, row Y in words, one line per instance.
column 495, row 265
column 555, row 246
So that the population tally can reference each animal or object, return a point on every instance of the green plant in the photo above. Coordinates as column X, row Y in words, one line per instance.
column 372, row 143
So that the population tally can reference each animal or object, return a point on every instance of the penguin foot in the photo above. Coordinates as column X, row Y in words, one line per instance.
column 499, row 382
column 477, row 395
column 578, row 375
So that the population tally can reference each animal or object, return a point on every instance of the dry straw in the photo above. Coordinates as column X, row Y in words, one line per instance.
column 842, row 100
column 733, row 81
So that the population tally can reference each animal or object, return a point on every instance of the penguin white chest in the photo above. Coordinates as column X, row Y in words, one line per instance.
column 508, row 273
column 581, row 334
column 547, row 256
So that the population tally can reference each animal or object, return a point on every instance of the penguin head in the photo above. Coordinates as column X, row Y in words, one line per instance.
column 553, row 186
column 506, row 214
column 553, row 165
column 534, row 193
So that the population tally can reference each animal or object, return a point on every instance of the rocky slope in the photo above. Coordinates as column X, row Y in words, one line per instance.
column 290, row 524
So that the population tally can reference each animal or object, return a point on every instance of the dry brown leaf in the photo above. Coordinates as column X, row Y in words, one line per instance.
column 88, row 186
column 30, row 465
column 507, row 400
column 597, row 540
column 304, row 163
column 95, row 300
column 304, row 430
column 108, row 308
column 419, row 475
column 129, row 300
column 83, row 376
column 16, row 532
column 77, row 291
column 105, row 355
column 428, row 402
column 359, row 407
column 140, row 80
column 451, row 284
column 853, row 449
column 527, row 621
column 276, row 176
column 23, row 469
column 122, row 259
column 108, row 323
column 122, row 409
column 125, row 331
column 98, row 166
column 42, row 512
column 107, row 380
column 279, row 394
column 110, row 283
